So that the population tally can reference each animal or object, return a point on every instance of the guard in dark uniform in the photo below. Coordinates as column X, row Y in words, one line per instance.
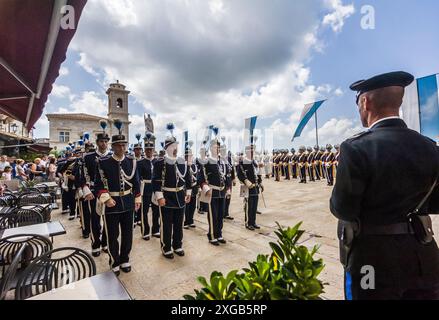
column 301, row 162
column 90, row 192
column 60, row 165
column 68, row 185
column 203, row 207
column 230, row 177
column 293, row 161
column 310, row 161
column 249, row 176
column 192, row 205
column 316, row 162
column 171, row 183
column 138, row 155
column 386, row 245
column 277, row 166
column 118, row 182
column 324, row 153
column 329, row 165
column 145, row 167
column 214, row 187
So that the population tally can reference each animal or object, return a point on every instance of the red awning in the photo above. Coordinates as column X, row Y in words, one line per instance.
column 32, row 48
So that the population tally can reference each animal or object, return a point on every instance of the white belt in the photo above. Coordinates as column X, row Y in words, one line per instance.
column 216, row 187
column 121, row 193
column 173, row 189
column 146, row 181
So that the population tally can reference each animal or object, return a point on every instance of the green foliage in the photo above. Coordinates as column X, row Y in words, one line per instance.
column 289, row 273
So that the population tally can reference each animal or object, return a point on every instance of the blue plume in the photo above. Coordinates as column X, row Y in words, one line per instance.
column 103, row 124
column 118, row 124
column 215, row 130
column 148, row 135
column 138, row 136
column 170, row 127
column 81, row 142
column 68, row 148
column 86, row 136
column 162, row 144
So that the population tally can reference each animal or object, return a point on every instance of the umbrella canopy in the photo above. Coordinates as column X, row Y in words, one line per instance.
column 33, row 46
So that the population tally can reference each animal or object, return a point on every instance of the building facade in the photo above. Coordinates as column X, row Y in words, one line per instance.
column 65, row 128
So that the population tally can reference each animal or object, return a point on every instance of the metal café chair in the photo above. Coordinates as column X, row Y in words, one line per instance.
column 37, row 245
column 20, row 217
column 54, row 269
column 7, row 280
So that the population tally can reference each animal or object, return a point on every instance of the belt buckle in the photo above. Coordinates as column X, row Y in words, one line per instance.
column 121, row 193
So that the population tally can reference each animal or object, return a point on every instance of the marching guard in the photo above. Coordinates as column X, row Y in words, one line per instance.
column 145, row 167
column 171, row 183
column 118, row 185
column 203, row 207
column 90, row 192
column 301, row 161
column 329, row 166
column 251, row 180
column 214, row 187
column 191, row 206
column 226, row 157
column 310, row 161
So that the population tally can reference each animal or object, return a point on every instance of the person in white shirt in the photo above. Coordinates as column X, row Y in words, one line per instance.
column 4, row 163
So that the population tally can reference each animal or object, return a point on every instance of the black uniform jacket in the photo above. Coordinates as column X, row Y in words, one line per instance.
column 382, row 175
column 145, row 168
column 247, row 170
column 168, row 176
column 118, row 176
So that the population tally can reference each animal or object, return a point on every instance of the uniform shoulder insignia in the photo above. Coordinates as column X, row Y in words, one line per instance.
column 359, row 135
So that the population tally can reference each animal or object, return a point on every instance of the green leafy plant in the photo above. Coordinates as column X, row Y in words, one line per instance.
column 289, row 273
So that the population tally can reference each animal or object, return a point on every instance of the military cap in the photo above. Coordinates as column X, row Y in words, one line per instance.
column 398, row 78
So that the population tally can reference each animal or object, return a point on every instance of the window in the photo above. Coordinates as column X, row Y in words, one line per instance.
column 64, row 136
column 119, row 103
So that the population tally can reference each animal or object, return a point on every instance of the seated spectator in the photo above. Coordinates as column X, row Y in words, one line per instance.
column 7, row 173
column 21, row 172
column 4, row 163
column 36, row 170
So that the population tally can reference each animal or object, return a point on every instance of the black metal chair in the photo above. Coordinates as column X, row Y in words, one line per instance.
column 19, row 218
column 43, row 188
column 54, row 269
column 44, row 211
column 37, row 246
column 32, row 198
column 8, row 200
column 7, row 281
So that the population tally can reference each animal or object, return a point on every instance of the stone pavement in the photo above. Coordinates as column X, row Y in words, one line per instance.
column 288, row 202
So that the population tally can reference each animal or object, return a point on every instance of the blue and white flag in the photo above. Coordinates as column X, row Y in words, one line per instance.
column 307, row 113
column 420, row 108
column 250, row 125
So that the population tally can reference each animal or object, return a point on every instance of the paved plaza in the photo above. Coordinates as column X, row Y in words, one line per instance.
column 288, row 202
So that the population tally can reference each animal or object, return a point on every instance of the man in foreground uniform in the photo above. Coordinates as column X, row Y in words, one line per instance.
column 118, row 183
column 375, row 193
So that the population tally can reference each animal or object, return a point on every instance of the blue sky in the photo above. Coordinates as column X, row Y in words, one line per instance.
column 200, row 72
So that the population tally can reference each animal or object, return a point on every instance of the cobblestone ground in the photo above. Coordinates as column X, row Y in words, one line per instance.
column 288, row 202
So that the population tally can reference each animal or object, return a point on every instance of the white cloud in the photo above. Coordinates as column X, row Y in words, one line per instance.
column 85, row 64
column 202, row 62
column 88, row 102
column 63, row 71
column 61, row 91
column 337, row 18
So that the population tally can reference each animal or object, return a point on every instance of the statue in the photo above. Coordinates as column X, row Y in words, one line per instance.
column 149, row 125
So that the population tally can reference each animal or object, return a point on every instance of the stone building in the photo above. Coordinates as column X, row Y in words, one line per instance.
column 69, row 127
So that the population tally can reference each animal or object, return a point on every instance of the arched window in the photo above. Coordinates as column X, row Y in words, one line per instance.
column 119, row 103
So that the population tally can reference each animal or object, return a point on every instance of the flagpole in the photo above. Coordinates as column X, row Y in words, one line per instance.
column 317, row 130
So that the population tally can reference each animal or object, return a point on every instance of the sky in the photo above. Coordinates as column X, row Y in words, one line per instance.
column 201, row 62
